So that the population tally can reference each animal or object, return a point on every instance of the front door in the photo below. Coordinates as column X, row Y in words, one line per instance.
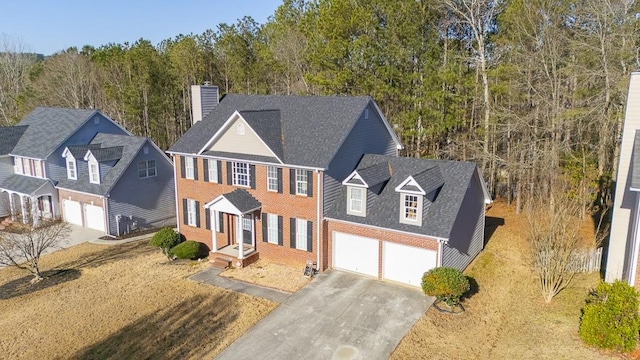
column 247, row 229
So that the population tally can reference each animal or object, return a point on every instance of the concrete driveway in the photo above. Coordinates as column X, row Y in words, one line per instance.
column 77, row 236
column 336, row 316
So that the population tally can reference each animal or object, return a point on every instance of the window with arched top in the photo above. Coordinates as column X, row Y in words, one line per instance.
column 240, row 129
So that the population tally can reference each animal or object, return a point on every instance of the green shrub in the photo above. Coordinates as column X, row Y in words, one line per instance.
column 165, row 239
column 610, row 317
column 446, row 284
column 189, row 250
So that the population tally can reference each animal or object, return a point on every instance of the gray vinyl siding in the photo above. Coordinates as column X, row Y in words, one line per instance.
column 6, row 170
column 368, row 136
column 467, row 236
column 154, row 202
column 55, row 165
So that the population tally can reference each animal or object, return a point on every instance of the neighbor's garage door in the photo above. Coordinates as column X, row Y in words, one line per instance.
column 406, row 264
column 94, row 216
column 72, row 212
column 355, row 253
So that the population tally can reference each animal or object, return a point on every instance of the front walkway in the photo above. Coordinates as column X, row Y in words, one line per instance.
column 212, row 276
column 336, row 316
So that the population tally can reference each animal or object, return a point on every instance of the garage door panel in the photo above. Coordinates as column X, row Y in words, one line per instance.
column 355, row 253
column 72, row 212
column 406, row 264
column 94, row 216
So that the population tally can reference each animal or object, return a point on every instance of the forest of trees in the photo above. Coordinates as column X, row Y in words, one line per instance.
column 532, row 90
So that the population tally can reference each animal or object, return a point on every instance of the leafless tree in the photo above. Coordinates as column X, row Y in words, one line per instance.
column 15, row 63
column 24, row 244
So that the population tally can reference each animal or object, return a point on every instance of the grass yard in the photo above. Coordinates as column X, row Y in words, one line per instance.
column 507, row 317
column 264, row 273
column 120, row 302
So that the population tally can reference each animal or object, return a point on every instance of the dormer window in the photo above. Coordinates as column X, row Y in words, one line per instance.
column 411, row 209
column 72, row 172
column 356, row 201
column 94, row 171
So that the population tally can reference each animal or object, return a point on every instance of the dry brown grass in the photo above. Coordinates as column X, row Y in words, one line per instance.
column 264, row 273
column 119, row 302
column 507, row 318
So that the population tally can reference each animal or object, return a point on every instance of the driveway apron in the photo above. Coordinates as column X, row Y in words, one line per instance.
column 336, row 316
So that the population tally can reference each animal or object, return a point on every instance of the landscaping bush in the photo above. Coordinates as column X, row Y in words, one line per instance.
column 610, row 317
column 446, row 284
column 165, row 239
column 189, row 250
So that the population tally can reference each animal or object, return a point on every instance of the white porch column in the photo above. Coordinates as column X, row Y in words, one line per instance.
column 214, row 229
column 12, row 208
column 239, row 237
column 34, row 211
column 23, row 206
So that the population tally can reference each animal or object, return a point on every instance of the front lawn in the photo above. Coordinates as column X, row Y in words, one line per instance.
column 122, row 302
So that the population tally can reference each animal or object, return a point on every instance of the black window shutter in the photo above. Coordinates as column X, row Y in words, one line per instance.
column 195, row 168
column 309, row 236
column 279, row 180
column 207, row 219
column 219, row 168
column 182, row 169
column 292, row 181
column 197, row 213
column 205, row 169
column 310, row 183
column 221, row 221
column 185, row 214
column 265, row 235
column 280, row 241
column 292, row 233
column 229, row 174
column 252, row 176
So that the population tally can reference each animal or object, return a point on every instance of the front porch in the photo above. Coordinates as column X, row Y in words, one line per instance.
column 28, row 199
column 229, row 255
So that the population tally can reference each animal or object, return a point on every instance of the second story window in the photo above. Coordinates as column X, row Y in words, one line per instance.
column 410, row 209
column 213, row 171
column 301, row 182
column 71, row 168
column 272, row 178
column 94, row 172
column 241, row 174
column 356, row 201
column 38, row 165
column 146, row 169
column 188, row 166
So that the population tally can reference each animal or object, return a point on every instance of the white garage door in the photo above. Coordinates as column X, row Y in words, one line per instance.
column 406, row 264
column 94, row 216
column 72, row 212
column 355, row 253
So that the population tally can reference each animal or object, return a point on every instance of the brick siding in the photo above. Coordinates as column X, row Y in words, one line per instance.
column 83, row 199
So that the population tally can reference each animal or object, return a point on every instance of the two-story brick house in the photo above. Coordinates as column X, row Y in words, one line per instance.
column 271, row 172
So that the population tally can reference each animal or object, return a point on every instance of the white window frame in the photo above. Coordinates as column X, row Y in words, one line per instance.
column 241, row 174
column 39, row 170
column 72, row 168
column 213, row 171
column 352, row 193
column 191, row 213
column 189, row 172
column 301, row 236
column 272, row 178
column 145, row 172
column 272, row 228
column 17, row 165
column 302, row 180
column 94, row 174
column 26, row 166
column 409, row 202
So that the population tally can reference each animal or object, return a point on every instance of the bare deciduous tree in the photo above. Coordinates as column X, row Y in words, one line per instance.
column 15, row 64
column 23, row 246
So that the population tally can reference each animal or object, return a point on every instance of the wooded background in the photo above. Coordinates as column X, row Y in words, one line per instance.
column 532, row 90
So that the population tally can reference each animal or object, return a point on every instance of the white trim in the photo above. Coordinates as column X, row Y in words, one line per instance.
column 410, row 181
column 439, row 260
column 92, row 161
column 175, row 195
column 634, row 189
column 234, row 211
column 299, row 183
column 355, row 175
column 192, row 209
column 68, row 161
column 273, row 167
column 80, row 192
column 387, row 229
column 363, row 201
column 189, row 160
column 634, row 260
column 399, row 145
column 256, row 162
column 319, row 214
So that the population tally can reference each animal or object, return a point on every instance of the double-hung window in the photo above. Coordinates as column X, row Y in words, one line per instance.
column 301, row 182
column 213, row 171
column 191, row 213
column 71, row 168
column 146, row 168
column 301, row 234
column 272, row 228
column 94, row 172
column 272, row 178
column 241, row 174
column 410, row 207
column 356, row 195
column 188, row 167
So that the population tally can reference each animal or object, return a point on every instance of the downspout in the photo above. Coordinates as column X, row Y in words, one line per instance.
column 319, row 214
column 175, row 191
column 105, row 206
column 439, row 262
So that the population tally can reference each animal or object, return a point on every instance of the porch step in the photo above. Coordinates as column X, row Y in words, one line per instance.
column 221, row 263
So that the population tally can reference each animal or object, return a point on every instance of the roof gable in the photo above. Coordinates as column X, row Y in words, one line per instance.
column 238, row 202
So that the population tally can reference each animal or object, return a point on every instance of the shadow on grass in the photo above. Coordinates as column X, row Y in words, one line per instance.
column 189, row 329
column 113, row 253
column 23, row 285
column 474, row 288
column 491, row 224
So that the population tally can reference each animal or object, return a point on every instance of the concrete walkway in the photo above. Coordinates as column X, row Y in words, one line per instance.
column 336, row 316
column 212, row 276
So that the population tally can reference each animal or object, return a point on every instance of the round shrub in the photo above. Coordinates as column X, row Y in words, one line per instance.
column 610, row 317
column 446, row 284
column 189, row 250
column 165, row 239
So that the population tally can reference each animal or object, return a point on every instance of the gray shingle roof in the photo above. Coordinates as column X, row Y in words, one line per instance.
column 313, row 127
column 9, row 137
column 383, row 209
column 430, row 179
column 375, row 174
column 266, row 123
column 107, row 153
column 129, row 147
column 79, row 151
column 48, row 128
column 23, row 184
column 635, row 162
column 242, row 200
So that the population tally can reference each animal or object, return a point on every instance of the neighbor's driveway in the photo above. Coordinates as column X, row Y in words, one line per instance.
column 336, row 316
column 78, row 235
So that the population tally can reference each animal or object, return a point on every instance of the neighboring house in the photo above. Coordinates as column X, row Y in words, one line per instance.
column 277, row 173
column 624, row 240
column 82, row 166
